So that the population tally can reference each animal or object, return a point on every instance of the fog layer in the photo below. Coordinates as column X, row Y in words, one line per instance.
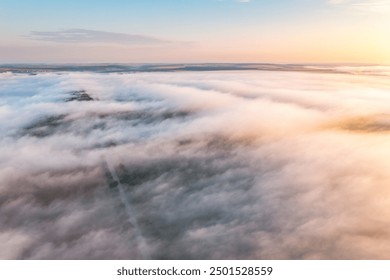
column 195, row 165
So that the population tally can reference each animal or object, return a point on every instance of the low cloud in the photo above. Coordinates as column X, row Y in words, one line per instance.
column 213, row 165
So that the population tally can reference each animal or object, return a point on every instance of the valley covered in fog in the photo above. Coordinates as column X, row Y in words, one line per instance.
column 238, row 164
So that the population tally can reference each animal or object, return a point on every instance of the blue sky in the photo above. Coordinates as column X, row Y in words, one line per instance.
column 194, row 30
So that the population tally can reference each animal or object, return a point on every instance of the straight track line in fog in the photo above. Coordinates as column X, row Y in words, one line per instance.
column 131, row 213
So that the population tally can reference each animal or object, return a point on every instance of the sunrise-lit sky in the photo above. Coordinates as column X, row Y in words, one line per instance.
column 140, row 31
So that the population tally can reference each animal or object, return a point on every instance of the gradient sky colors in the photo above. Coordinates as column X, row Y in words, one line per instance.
column 140, row 31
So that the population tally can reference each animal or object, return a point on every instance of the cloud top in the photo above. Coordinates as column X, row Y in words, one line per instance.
column 211, row 165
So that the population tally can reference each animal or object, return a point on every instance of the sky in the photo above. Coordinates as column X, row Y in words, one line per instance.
column 195, row 31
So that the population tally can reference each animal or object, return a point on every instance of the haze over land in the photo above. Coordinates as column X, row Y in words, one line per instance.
column 213, row 164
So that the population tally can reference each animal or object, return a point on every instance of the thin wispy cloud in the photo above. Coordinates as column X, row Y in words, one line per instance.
column 361, row 2
column 95, row 36
column 382, row 6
